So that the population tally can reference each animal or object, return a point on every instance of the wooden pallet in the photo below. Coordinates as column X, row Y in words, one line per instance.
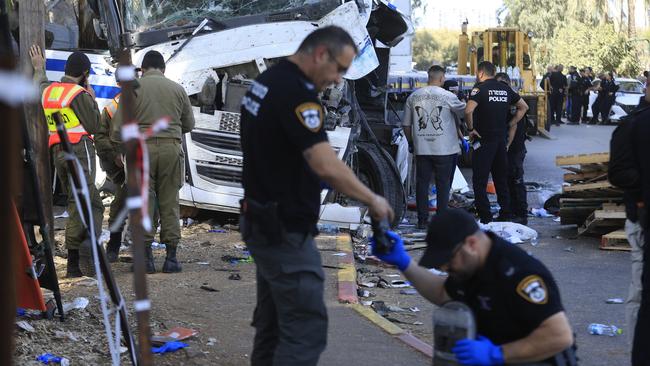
column 595, row 189
column 574, row 211
column 603, row 220
column 582, row 159
column 616, row 240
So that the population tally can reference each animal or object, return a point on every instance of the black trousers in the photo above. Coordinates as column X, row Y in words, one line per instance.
column 585, row 106
column 599, row 109
column 290, row 317
column 576, row 106
column 442, row 167
column 491, row 157
column 557, row 101
column 516, row 186
column 641, row 345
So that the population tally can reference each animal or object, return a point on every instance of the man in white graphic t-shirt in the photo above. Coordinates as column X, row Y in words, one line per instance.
column 431, row 118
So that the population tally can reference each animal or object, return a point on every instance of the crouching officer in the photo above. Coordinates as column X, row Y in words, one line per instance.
column 286, row 157
column 111, row 162
column 74, row 98
column 515, row 301
column 516, row 156
column 157, row 97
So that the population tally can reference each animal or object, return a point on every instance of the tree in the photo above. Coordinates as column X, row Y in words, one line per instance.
column 631, row 19
column 425, row 48
column 606, row 50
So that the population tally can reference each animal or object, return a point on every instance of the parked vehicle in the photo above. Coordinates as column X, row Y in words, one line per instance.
column 216, row 48
column 627, row 98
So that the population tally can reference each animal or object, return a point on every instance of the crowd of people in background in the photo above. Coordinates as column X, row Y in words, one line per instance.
column 568, row 94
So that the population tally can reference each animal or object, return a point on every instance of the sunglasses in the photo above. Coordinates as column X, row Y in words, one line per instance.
column 341, row 69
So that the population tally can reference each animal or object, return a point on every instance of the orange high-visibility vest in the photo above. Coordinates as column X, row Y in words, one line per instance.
column 57, row 98
column 112, row 108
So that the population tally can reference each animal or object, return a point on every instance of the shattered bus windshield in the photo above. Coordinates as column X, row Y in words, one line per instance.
column 144, row 15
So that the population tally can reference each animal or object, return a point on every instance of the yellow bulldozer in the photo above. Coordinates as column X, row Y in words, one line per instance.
column 511, row 51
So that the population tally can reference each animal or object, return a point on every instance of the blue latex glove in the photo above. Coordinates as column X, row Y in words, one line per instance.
column 169, row 347
column 397, row 256
column 464, row 145
column 48, row 358
column 479, row 352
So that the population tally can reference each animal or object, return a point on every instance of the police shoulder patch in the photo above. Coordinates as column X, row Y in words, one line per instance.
column 310, row 114
column 533, row 289
column 475, row 91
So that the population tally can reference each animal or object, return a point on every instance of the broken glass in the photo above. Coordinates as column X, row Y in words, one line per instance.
column 142, row 15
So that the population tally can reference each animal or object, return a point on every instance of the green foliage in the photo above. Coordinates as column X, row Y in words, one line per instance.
column 438, row 46
column 574, row 32
column 605, row 50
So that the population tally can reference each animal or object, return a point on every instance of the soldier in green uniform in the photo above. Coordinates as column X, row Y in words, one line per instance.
column 74, row 98
column 157, row 97
column 110, row 159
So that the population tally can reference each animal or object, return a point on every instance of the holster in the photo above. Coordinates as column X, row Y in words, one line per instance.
column 263, row 216
column 567, row 357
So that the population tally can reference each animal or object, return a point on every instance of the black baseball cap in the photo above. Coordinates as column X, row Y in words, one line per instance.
column 77, row 64
column 446, row 230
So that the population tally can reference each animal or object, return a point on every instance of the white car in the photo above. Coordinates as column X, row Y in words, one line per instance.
column 627, row 98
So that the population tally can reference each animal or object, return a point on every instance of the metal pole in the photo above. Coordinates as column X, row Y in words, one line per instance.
column 142, row 303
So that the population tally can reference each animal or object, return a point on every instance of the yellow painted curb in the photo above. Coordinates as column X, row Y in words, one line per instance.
column 348, row 273
column 343, row 243
column 378, row 320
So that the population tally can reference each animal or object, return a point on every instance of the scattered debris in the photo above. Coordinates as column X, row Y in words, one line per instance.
column 569, row 249
column 217, row 231
column 602, row 329
column 615, row 301
column 156, row 245
column 211, row 342
column 408, row 291
column 48, row 358
column 64, row 215
column 206, row 244
column 331, row 267
column 366, row 302
column 540, row 212
column 341, row 254
column 78, row 303
column 400, row 284
column 24, row 325
column 234, row 277
column 512, row 232
column 203, row 263
column 66, row 335
column 208, row 288
column 364, row 293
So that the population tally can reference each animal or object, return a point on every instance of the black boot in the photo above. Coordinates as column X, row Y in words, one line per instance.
column 113, row 247
column 151, row 266
column 73, row 264
column 171, row 263
column 148, row 260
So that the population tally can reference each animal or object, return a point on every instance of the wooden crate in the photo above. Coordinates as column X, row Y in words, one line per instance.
column 616, row 240
column 582, row 159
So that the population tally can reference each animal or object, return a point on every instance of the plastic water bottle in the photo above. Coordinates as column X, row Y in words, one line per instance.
column 602, row 329
column 534, row 240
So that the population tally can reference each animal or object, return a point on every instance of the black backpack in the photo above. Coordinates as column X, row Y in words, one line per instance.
column 623, row 169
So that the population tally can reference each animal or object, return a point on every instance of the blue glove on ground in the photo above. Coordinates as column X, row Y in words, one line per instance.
column 479, row 352
column 169, row 347
column 397, row 256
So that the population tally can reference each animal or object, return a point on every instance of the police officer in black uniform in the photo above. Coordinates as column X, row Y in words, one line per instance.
column 486, row 116
column 286, row 156
column 574, row 82
column 586, row 81
column 513, row 296
column 558, row 90
column 516, row 156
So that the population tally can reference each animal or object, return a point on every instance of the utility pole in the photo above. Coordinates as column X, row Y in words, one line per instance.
column 32, row 32
column 9, row 162
column 142, row 305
